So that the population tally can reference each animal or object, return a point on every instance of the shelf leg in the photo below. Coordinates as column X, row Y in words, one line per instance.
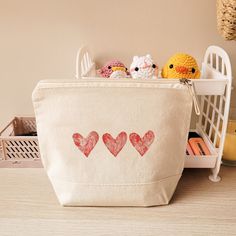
column 214, row 177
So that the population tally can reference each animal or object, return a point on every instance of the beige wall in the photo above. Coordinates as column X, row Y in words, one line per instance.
column 38, row 39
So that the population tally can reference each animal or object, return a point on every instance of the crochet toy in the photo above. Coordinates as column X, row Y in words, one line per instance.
column 113, row 69
column 181, row 66
column 143, row 67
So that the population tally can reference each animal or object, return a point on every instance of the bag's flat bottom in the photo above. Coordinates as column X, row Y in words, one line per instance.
column 147, row 194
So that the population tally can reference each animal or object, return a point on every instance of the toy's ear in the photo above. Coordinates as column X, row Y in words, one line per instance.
column 135, row 58
column 148, row 56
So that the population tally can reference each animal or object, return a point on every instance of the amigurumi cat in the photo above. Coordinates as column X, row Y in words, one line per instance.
column 143, row 67
column 113, row 69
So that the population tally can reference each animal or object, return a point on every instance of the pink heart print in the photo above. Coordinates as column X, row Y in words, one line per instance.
column 86, row 145
column 115, row 145
column 142, row 144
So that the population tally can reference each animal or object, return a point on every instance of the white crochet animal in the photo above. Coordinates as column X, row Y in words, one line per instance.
column 143, row 67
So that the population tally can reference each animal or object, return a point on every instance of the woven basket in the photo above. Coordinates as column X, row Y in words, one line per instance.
column 226, row 18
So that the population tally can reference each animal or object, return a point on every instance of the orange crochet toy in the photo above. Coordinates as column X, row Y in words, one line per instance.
column 181, row 66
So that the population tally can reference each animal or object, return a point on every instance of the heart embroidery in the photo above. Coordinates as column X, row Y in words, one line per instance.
column 115, row 145
column 86, row 145
column 142, row 144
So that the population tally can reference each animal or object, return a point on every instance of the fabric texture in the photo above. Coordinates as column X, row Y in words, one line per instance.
column 112, row 143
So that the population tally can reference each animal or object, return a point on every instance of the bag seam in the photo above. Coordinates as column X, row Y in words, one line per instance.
column 129, row 184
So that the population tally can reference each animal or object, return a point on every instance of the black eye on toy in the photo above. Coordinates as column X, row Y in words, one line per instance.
column 154, row 66
column 171, row 66
column 109, row 67
column 136, row 68
column 193, row 70
column 126, row 69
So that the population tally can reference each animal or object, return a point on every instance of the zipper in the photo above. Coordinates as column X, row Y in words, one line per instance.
column 192, row 92
column 125, row 80
column 94, row 81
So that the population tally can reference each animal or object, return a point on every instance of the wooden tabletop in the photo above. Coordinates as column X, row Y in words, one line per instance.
column 28, row 206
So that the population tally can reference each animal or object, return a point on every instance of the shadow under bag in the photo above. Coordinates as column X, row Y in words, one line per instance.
column 113, row 142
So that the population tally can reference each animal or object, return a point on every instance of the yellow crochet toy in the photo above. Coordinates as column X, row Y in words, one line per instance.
column 181, row 66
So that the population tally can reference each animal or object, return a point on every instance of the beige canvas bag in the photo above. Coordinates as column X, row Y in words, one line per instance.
column 113, row 142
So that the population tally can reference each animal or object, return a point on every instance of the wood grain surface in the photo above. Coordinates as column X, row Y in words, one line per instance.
column 28, row 206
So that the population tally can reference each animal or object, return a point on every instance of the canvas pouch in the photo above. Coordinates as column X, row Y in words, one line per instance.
column 112, row 142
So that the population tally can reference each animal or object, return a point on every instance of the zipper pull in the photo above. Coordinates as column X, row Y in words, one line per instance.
column 191, row 89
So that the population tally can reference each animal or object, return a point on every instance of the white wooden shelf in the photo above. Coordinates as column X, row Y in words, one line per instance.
column 213, row 90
